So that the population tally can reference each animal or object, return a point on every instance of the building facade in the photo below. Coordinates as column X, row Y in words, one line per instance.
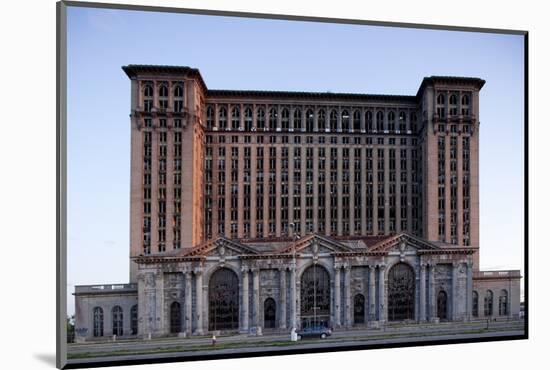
column 266, row 210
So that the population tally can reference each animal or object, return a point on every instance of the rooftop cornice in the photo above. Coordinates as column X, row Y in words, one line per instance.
column 135, row 70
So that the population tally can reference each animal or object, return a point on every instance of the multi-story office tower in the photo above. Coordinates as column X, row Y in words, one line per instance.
column 374, row 189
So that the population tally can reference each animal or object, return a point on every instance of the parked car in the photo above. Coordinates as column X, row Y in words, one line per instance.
column 316, row 331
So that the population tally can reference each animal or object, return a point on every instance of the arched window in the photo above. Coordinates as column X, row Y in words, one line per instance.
column 163, row 97
column 475, row 303
column 453, row 101
column 368, row 119
column 98, row 322
column 235, row 118
column 466, row 105
column 260, row 119
column 391, row 121
column 503, row 303
column 248, row 119
column 148, row 98
column 333, row 121
column 175, row 317
column 223, row 300
column 315, row 296
column 269, row 313
column 209, row 117
column 359, row 309
column 402, row 121
column 117, row 320
column 345, row 121
column 178, row 98
column 298, row 119
column 401, row 293
column 134, row 320
column 440, row 99
column 380, row 121
column 321, row 120
column 413, row 122
column 488, row 303
column 309, row 120
column 285, row 119
column 273, row 119
column 440, row 108
column 442, row 305
column 222, row 118
column 357, row 121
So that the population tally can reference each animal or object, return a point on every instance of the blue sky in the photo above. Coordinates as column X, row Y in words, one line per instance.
column 241, row 53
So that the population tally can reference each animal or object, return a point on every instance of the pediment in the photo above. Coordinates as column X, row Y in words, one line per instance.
column 221, row 247
column 316, row 244
column 403, row 243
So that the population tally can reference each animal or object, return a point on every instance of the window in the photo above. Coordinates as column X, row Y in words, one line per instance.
column 333, row 120
column 223, row 298
column 357, row 120
column 475, row 303
column 148, row 98
column 368, row 119
column 503, row 303
column 488, row 303
column 442, row 305
column 98, row 322
column 222, row 118
column 209, row 117
column 260, row 118
column 359, row 309
column 401, row 294
column 315, row 296
column 309, row 120
column 134, row 320
column 269, row 313
column 298, row 119
column 248, row 119
column 345, row 121
column 163, row 97
column 465, row 105
column 380, row 121
column 117, row 320
column 321, row 120
column 453, row 110
column 273, row 119
column 175, row 317
column 285, row 119
column 178, row 99
column 391, row 121
column 235, row 118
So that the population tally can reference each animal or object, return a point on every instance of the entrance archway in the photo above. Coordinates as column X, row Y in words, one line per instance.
column 223, row 300
column 401, row 281
column 359, row 309
column 315, row 297
column 442, row 305
column 269, row 313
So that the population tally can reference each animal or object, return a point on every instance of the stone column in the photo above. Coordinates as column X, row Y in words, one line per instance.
column 336, row 295
column 469, row 290
column 422, row 292
column 293, row 294
column 347, row 295
column 198, row 291
column 433, row 313
column 246, row 314
column 372, row 293
column 282, row 281
column 454, row 301
column 256, row 296
column 382, row 293
column 188, row 315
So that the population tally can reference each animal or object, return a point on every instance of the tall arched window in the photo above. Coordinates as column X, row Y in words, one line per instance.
column 442, row 305
column 148, row 98
column 98, row 322
column 333, row 121
column 503, row 303
column 440, row 99
column 488, row 303
column 413, row 122
column 391, row 121
column 345, row 120
column 380, row 121
column 368, row 119
column 285, row 119
column 401, row 292
column 209, row 117
column 309, row 120
column 273, row 119
column 223, row 300
column 178, row 98
column 315, row 296
column 453, row 101
column 402, row 121
column 248, row 119
column 357, row 121
column 163, row 97
column 175, row 317
column 475, row 303
column 359, row 309
column 297, row 119
column 466, row 105
column 321, row 120
column 235, row 118
column 440, row 108
column 222, row 119
column 260, row 119
column 117, row 320
column 269, row 313
column 134, row 320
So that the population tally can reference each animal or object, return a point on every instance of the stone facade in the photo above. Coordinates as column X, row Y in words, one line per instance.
column 235, row 195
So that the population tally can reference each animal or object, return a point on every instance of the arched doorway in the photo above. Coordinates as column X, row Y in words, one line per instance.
column 175, row 317
column 359, row 309
column 442, row 305
column 401, row 293
column 315, row 297
column 269, row 313
column 223, row 300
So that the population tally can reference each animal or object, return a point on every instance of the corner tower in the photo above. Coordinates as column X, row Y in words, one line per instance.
column 167, row 144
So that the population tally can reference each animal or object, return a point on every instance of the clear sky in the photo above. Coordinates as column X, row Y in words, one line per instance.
column 242, row 53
